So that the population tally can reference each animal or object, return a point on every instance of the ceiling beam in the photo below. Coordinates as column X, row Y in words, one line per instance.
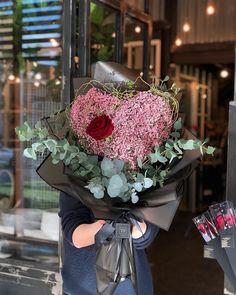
column 205, row 53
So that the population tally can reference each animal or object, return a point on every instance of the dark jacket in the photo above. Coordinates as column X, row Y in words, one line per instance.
column 78, row 270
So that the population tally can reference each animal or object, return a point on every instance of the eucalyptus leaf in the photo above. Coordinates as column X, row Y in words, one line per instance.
column 175, row 134
column 147, row 182
column 153, row 158
column 138, row 186
column 134, row 198
column 30, row 153
column 50, row 144
column 118, row 165
column 38, row 147
column 140, row 164
column 161, row 158
column 178, row 124
column 210, row 150
column 188, row 145
column 139, row 177
column 106, row 164
column 98, row 194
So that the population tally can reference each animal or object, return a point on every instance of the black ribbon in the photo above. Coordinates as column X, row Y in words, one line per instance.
column 114, row 255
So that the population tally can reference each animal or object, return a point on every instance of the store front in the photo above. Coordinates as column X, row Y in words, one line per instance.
column 44, row 45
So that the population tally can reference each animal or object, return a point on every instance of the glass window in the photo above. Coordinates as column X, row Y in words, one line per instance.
column 103, row 33
column 133, row 45
column 30, row 85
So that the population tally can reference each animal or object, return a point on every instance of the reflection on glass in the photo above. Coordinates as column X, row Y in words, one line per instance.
column 138, row 4
column 133, row 46
column 30, row 84
column 102, row 33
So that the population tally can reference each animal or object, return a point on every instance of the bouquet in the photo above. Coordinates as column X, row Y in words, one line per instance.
column 121, row 149
column 218, row 229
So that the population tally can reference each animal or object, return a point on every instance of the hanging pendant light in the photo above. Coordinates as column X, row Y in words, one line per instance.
column 186, row 27
column 178, row 42
column 210, row 9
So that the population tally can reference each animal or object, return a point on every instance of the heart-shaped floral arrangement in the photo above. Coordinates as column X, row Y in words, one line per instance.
column 126, row 139
column 125, row 129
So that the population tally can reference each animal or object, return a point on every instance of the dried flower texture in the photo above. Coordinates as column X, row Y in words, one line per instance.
column 140, row 123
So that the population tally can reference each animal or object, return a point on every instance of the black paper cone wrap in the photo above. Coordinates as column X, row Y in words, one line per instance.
column 223, row 260
column 156, row 205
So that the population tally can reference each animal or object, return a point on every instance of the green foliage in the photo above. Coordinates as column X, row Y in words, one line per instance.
column 105, row 176
column 102, row 27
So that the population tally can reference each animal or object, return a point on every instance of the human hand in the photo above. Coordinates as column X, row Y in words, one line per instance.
column 138, row 232
column 84, row 234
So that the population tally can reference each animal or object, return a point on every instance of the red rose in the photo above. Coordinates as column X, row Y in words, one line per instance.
column 100, row 127
column 220, row 222
column 201, row 228
column 230, row 219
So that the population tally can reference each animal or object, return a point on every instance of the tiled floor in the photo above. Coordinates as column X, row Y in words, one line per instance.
column 178, row 265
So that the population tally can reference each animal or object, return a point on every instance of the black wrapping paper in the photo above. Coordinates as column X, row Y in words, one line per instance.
column 223, row 260
column 157, row 205
column 228, row 244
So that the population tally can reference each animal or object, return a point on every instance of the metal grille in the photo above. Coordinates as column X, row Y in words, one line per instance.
column 37, row 194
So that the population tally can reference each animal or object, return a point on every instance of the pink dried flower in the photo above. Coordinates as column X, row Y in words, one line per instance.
column 140, row 123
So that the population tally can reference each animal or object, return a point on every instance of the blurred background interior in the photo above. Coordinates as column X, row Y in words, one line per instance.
column 46, row 43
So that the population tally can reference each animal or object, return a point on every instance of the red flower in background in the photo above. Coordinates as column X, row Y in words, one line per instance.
column 220, row 221
column 230, row 219
column 201, row 228
column 100, row 127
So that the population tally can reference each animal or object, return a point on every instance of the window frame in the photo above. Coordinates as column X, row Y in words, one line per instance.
column 74, row 10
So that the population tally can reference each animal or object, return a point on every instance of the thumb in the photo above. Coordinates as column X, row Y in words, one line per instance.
column 101, row 221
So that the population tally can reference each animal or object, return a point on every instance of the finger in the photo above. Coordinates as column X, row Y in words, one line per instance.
column 101, row 222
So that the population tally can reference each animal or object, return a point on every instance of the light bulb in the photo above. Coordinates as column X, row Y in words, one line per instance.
column 210, row 10
column 36, row 84
column 224, row 73
column 38, row 76
column 186, row 27
column 113, row 34
column 178, row 42
column 137, row 29
column 11, row 77
column 18, row 80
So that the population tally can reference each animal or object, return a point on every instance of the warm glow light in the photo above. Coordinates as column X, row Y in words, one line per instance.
column 137, row 29
column 178, row 42
column 54, row 42
column 35, row 64
column 38, row 76
column 18, row 80
column 210, row 10
column 113, row 34
column 186, row 27
column 58, row 82
column 224, row 73
column 36, row 84
column 11, row 77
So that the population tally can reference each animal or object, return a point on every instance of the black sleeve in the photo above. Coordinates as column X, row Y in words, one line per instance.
column 146, row 240
column 72, row 213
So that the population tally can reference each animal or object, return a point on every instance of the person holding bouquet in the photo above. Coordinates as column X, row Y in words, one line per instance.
column 79, row 257
column 119, row 152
